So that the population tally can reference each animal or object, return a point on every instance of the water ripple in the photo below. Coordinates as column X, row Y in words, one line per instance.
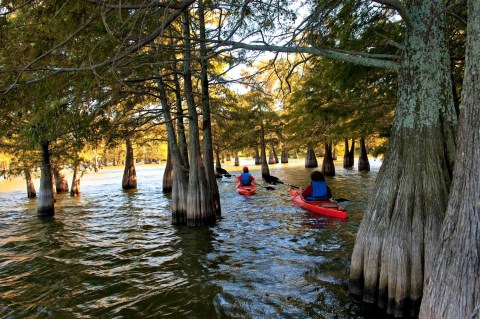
column 114, row 254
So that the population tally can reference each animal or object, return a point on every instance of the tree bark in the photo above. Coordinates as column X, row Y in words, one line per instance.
column 311, row 159
column 167, row 183
column 275, row 156
column 363, row 163
column 351, row 153
column 75, row 189
column 237, row 160
column 129, row 180
column 46, row 200
column 61, row 183
column 284, row 157
column 263, row 152
column 201, row 210
column 218, row 165
column 180, row 171
column 394, row 250
column 31, row 193
column 328, row 167
column 182, row 138
column 347, row 160
column 212, row 186
column 271, row 157
column 320, row 153
column 258, row 159
column 453, row 289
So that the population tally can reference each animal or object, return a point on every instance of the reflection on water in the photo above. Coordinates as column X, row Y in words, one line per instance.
column 114, row 254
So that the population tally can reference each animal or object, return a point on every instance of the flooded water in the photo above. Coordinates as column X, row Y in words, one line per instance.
column 114, row 254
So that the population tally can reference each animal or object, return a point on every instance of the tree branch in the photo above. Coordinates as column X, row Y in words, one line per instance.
column 144, row 5
column 397, row 5
column 365, row 59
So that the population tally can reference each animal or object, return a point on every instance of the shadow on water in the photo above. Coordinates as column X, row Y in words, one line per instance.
column 114, row 254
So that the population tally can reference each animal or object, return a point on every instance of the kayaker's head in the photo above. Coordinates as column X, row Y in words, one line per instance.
column 245, row 169
column 317, row 176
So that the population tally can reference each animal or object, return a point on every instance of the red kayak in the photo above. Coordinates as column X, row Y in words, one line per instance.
column 246, row 190
column 327, row 207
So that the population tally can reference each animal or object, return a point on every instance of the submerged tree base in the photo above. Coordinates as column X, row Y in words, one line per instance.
column 45, row 212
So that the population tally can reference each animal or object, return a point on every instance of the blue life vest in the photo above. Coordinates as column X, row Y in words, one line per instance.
column 319, row 191
column 246, row 179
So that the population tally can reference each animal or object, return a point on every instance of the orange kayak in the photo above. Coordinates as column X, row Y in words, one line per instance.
column 327, row 207
column 246, row 190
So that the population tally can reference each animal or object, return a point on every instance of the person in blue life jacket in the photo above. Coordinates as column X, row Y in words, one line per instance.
column 318, row 188
column 245, row 178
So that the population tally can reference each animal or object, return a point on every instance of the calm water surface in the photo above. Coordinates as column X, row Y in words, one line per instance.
column 115, row 254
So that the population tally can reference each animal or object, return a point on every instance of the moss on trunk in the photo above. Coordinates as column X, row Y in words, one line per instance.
column 395, row 246
column 452, row 290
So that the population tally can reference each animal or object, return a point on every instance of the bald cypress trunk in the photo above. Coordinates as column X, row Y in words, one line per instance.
column 212, row 187
column 284, row 156
column 275, row 156
column 271, row 158
column 75, row 189
column 218, row 165
column 46, row 199
column 328, row 167
column 237, row 160
column 453, row 289
column 320, row 153
column 180, row 171
column 395, row 246
column 167, row 183
column 201, row 210
column 258, row 159
column 348, row 156
column 182, row 138
column 263, row 154
column 311, row 159
column 129, row 180
column 363, row 163
column 31, row 193
column 61, row 183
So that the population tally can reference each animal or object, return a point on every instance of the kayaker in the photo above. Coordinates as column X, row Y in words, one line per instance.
column 245, row 178
column 318, row 188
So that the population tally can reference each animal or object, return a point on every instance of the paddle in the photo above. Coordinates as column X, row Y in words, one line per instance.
column 292, row 186
column 333, row 199
column 270, row 188
column 272, row 180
